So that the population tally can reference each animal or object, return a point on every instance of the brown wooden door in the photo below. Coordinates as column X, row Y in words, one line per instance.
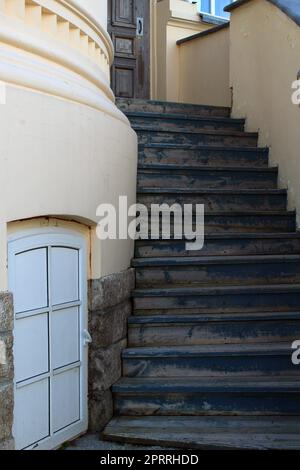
column 129, row 27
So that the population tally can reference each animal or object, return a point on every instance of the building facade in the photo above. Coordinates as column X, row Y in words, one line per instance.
column 66, row 147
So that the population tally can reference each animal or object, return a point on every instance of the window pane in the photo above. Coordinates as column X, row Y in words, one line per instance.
column 205, row 6
column 220, row 4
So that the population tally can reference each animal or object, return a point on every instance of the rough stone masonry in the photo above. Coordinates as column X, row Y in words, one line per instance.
column 6, row 371
column 109, row 309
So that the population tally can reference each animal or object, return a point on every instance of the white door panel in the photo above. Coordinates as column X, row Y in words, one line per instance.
column 47, row 275
column 64, row 275
column 65, row 337
column 31, row 347
column 32, row 409
column 66, row 408
column 30, row 284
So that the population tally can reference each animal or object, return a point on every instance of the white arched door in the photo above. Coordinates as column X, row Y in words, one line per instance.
column 48, row 278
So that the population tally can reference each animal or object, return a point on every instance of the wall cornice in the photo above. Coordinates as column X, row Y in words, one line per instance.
column 28, row 71
column 99, row 29
column 52, row 47
column 183, row 15
column 54, row 51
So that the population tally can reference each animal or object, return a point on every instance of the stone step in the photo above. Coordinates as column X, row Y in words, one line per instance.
column 229, row 299
column 170, row 176
column 129, row 105
column 166, row 154
column 231, row 222
column 190, row 330
column 207, row 396
column 207, row 432
column 232, row 244
column 217, row 270
column 184, row 122
column 217, row 360
column 216, row 199
column 210, row 342
column 201, row 137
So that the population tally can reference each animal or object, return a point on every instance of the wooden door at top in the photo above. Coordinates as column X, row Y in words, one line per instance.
column 129, row 27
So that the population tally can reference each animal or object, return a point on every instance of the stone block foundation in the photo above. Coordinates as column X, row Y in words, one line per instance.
column 109, row 308
column 6, row 371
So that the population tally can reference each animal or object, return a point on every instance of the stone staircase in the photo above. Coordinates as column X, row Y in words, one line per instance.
column 208, row 363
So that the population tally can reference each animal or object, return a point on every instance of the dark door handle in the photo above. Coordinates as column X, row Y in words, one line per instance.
column 140, row 26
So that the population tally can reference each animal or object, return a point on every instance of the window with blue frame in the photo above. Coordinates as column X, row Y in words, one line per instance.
column 214, row 7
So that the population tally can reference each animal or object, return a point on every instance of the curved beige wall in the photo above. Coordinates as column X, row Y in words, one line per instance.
column 204, row 70
column 265, row 59
column 65, row 148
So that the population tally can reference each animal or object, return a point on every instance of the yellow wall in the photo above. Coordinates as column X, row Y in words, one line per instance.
column 65, row 147
column 173, row 20
column 97, row 9
column 265, row 52
column 204, row 70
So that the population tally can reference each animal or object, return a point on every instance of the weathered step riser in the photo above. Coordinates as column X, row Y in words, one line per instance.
column 227, row 332
column 208, row 432
column 210, row 366
column 203, row 157
column 213, row 139
column 171, row 108
column 241, row 223
column 218, row 247
column 185, row 124
column 212, row 425
column 166, row 304
column 219, row 202
column 219, row 274
column 198, row 179
column 207, row 404
column 249, row 223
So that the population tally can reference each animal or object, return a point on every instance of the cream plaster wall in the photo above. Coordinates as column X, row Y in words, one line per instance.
column 204, row 70
column 96, row 8
column 174, row 20
column 264, row 61
column 65, row 148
